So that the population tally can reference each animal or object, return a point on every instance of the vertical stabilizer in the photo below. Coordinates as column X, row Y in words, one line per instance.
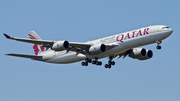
column 37, row 48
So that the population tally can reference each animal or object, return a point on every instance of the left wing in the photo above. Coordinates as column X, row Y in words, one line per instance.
column 73, row 46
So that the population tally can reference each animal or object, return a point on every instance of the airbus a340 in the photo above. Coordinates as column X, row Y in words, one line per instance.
column 120, row 45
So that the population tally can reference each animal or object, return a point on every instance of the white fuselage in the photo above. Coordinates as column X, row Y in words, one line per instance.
column 123, row 42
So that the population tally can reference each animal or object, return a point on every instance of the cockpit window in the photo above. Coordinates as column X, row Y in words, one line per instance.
column 165, row 27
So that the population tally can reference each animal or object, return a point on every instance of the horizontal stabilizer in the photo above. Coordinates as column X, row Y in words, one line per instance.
column 7, row 36
column 26, row 56
column 29, row 40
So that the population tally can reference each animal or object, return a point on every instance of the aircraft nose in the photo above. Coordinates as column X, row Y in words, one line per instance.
column 170, row 31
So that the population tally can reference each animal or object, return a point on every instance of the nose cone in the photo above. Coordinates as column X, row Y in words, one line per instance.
column 170, row 31
column 167, row 33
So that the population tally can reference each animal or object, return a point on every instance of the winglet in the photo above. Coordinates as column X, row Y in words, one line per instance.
column 7, row 36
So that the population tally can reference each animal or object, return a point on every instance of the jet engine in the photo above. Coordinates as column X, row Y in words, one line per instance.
column 98, row 48
column 149, row 55
column 60, row 45
column 138, row 53
column 141, row 54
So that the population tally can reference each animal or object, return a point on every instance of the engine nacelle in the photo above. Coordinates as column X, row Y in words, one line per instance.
column 98, row 48
column 137, row 53
column 149, row 54
column 60, row 45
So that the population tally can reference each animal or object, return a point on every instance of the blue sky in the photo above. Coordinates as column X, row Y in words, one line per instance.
column 22, row 79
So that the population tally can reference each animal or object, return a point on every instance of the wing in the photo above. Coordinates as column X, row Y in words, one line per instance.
column 74, row 46
column 34, row 57
column 124, row 54
column 83, row 48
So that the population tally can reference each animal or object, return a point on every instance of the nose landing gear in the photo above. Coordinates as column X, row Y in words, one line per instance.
column 158, row 46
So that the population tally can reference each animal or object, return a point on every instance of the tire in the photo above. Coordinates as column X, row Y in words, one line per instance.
column 86, row 64
column 158, row 47
column 97, row 63
column 109, row 62
column 90, row 61
column 113, row 63
column 106, row 66
column 93, row 62
column 100, row 63
column 109, row 66
column 83, row 63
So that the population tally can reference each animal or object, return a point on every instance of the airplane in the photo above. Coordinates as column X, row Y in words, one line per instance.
column 120, row 45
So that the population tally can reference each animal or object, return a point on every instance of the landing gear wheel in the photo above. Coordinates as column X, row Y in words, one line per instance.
column 99, row 63
column 90, row 61
column 158, row 47
column 86, row 63
column 109, row 66
column 93, row 62
column 106, row 66
column 109, row 62
column 113, row 63
column 83, row 63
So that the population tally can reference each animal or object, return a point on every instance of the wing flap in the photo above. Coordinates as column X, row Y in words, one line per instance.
column 83, row 48
column 86, row 45
column 110, row 46
column 79, row 45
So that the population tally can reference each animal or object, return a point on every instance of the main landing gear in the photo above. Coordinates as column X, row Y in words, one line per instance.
column 98, row 63
column 95, row 62
column 110, row 62
column 158, row 46
column 86, row 62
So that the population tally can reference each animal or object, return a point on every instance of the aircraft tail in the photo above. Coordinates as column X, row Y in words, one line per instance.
column 37, row 48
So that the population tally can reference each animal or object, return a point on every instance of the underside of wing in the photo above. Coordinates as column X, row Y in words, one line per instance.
column 34, row 57
column 79, row 47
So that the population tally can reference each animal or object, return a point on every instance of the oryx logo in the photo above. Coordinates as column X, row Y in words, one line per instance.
column 37, row 48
